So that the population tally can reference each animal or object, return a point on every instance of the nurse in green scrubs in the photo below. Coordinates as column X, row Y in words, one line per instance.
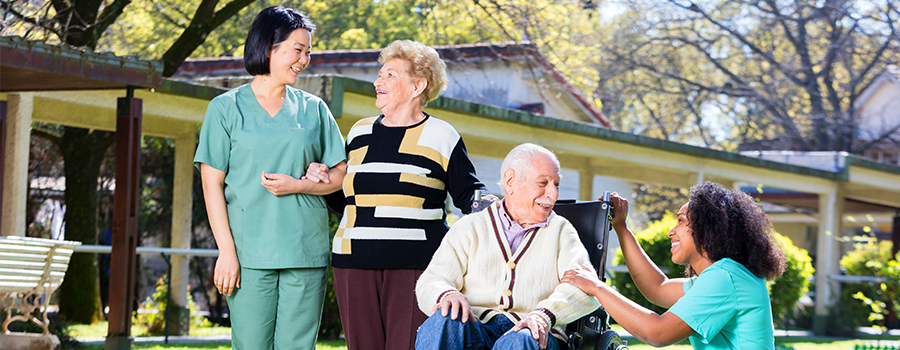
column 270, row 222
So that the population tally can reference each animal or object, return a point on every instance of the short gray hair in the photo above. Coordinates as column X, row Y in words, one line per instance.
column 519, row 160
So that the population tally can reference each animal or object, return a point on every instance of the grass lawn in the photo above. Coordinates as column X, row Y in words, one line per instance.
column 795, row 343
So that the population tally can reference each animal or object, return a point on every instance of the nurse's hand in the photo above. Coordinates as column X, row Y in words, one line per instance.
column 227, row 275
column 317, row 172
column 279, row 184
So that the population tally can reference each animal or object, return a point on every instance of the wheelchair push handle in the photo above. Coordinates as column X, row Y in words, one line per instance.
column 481, row 200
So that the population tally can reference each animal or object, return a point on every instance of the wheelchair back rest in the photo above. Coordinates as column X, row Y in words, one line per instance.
column 591, row 220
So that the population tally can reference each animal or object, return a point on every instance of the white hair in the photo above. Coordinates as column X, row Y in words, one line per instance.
column 519, row 160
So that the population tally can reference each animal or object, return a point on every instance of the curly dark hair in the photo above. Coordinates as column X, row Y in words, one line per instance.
column 729, row 224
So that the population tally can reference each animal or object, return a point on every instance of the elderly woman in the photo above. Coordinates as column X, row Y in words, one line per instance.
column 725, row 241
column 401, row 166
column 271, row 227
column 494, row 283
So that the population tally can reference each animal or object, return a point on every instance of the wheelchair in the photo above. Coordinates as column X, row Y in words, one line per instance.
column 592, row 221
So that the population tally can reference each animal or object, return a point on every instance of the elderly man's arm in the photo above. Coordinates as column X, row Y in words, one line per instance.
column 440, row 284
column 567, row 303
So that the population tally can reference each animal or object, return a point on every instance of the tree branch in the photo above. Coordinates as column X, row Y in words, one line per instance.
column 53, row 138
column 109, row 15
column 765, row 55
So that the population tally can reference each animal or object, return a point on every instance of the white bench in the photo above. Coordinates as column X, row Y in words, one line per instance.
column 30, row 270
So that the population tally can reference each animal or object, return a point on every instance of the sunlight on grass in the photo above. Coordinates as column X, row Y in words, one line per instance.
column 795, row 343
column 100, row 330
column 320, row 345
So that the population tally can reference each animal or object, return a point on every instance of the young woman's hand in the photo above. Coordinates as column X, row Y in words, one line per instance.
column 278, row 184
column 620, row 210
column 227, row 275
column 584, row 278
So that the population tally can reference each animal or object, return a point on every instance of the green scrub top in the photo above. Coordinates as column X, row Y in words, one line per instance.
column 728, row 308
column 241, row 139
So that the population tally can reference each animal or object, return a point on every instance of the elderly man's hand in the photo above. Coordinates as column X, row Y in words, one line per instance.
column 457, row 305
column 540, row 330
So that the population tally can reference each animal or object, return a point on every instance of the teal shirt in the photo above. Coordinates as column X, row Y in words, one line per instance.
column 728, row 308
column 241, row 139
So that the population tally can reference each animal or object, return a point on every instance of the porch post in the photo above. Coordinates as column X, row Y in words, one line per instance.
column 125, row 221
column 2, row 154
column 16, row 144
column 831, row 210
column 182, row 201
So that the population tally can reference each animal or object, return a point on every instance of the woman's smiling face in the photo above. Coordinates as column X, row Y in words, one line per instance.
column 683, row 249
column 290, row 57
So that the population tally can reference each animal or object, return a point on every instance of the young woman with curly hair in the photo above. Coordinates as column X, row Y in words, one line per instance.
column 726, row 242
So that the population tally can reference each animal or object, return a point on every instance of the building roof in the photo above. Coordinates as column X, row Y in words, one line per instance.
column 37, row 66
column 505, row 50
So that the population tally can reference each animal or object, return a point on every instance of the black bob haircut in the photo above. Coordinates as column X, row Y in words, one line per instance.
column 272, row 26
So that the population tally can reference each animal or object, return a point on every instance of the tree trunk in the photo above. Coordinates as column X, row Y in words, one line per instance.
column 83, row 151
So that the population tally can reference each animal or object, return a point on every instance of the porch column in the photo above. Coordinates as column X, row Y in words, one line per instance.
column 15, row 163
column 125, row 221
column 181, row 231
column 586, row 184
column 2, row 154
column 831, row 210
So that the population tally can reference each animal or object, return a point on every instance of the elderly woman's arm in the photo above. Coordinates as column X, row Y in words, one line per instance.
column 462, row 182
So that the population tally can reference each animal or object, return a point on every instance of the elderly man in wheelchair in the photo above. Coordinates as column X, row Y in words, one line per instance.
column 494, row 282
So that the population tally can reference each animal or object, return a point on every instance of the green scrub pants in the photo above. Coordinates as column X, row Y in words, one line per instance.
column 277, row 308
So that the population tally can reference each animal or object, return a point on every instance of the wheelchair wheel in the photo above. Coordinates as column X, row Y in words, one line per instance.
column 610, row 340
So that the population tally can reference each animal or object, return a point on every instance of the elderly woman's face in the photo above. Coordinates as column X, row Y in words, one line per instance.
column 395, row 88
column 530, row 199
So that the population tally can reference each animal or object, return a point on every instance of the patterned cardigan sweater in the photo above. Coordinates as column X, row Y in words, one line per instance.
column 475, row 259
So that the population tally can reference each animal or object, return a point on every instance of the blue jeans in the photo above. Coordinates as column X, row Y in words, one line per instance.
column 440, row 333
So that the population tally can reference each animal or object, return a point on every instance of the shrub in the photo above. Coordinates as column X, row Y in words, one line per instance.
column 784, row 292
column 864, row 303
column 153, row 319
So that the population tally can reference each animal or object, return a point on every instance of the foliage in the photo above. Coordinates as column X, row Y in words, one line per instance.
column 84, row 23
column 153, row 317
column 866, row 303
column 655, row 201
column 656, row 244
column 762, row 74
column 786, row 290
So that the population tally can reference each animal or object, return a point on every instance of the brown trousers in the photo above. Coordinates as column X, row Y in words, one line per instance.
column 378, row 308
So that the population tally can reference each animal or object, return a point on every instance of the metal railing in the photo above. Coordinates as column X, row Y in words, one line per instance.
column 165, row 253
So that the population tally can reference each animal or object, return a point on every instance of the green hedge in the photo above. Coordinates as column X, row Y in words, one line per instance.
column 784, row 292
column 869, row 259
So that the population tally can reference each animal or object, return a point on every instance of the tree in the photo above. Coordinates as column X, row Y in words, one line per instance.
column 84, row 150
column 771, row 74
